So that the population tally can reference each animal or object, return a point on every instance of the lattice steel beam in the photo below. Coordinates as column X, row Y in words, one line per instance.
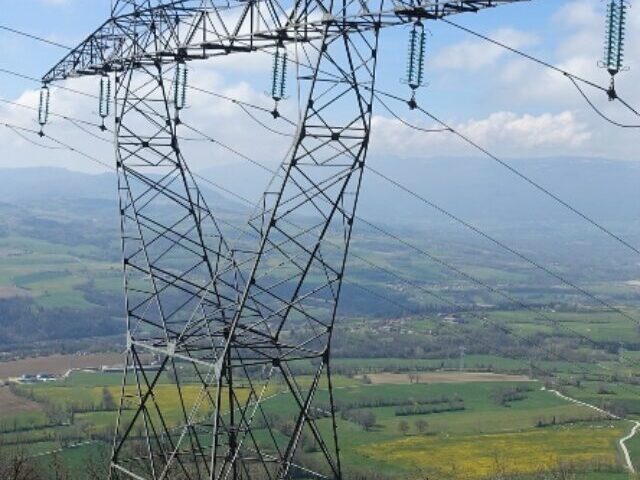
column 231, row 328
column 160, row 30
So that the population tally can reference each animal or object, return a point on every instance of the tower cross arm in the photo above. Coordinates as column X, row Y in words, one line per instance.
column 166, row 31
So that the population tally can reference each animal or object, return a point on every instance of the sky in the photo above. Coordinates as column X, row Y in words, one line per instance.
column 505, row 103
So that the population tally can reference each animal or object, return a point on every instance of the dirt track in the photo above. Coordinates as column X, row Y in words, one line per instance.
column 57, row 364
column 444, row 377
column 10, row 403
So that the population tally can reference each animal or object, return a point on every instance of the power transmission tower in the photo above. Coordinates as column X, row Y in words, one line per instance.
column 230, row 325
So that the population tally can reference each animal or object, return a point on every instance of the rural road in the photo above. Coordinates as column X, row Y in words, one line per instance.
column 622, row 442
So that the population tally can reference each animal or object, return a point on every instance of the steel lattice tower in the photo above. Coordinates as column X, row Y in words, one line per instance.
column 224, row 322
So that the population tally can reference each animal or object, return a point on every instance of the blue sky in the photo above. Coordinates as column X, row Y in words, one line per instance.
column 504, row 102
column 69, row 21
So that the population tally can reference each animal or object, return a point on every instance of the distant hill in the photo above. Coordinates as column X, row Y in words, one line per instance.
column 47, row 184
column 476, row 189
column 63, row 227
column 480, row 189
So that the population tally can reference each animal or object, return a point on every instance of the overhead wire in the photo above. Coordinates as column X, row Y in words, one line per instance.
column 478, row 231
column 484, row 318
column 573, row 77
column 598, row 111
column 395, row 183
column 89, row 132
column 446, row 128
column 522, row 54
column 477, row 146
column 58, row 142
column 501, row 244
column 473, row 279
column 515, row 171
column 34, row 37
column 15, row 130
column 496, row 290
column 38, row 80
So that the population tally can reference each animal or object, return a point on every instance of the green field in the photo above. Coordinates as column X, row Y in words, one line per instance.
column 482, row 440
column 61, row 291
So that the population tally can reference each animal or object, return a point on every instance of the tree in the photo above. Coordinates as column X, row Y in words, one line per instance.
column 15, row 464
column 367, row 420
column 403, row 427
column 421, row 426
column 96, row 465
column 108, row 403
column 58, row 468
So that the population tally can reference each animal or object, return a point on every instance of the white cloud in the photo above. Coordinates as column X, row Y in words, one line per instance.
column 568, row 126
column 216, row 117
column 502, row 132
column 528, row 131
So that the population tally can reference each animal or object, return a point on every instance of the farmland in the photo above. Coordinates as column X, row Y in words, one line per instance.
column 425, row 388
column 56, row 364
column 538, row 431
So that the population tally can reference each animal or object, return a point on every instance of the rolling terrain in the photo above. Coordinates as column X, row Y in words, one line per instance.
column 424, row 382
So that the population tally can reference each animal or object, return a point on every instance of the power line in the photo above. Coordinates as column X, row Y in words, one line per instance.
column 447, row 128
column 598, row 111
column 571, row 76
column 485, row 285
column 499, row 243
column 404, row 188
column 16, row 130
column 514, row 170
column 37, row 80
column 523, row 54
column 499, row 326
column 58, row 142
column 53, row 114
column 470, row 226
column 34, row 37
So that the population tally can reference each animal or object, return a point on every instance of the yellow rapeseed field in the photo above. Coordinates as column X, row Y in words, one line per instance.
column 170, row 402
column 478, row 456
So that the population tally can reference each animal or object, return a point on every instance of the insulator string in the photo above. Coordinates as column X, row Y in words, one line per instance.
column 614, row 41
column 104, row 102
column 279, row 77
column 180, row 86
column 415, row 57
column 43, row 108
